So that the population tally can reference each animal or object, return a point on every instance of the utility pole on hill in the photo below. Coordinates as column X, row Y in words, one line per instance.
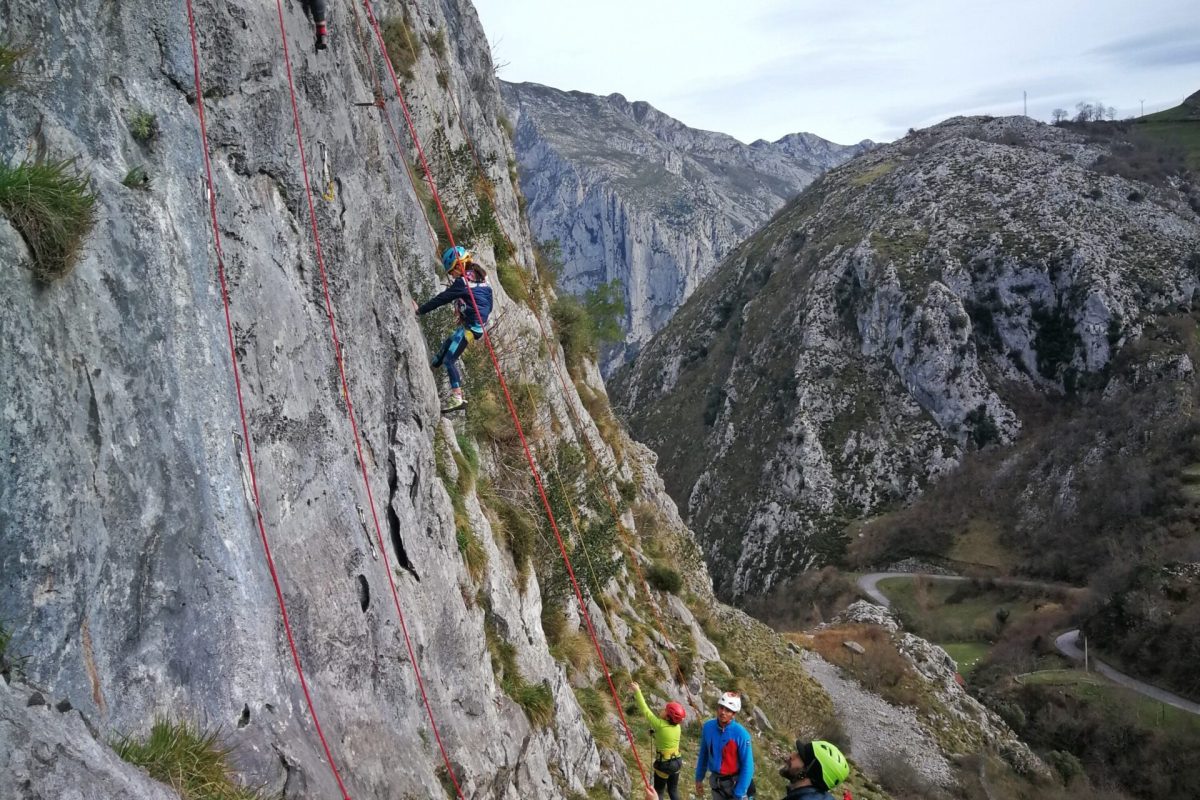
column 1143, row 102
column 1025, row 101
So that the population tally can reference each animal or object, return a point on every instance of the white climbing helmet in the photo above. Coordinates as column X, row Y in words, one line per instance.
column 732, row 701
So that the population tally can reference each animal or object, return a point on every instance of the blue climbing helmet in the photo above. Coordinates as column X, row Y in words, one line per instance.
column 453, row 256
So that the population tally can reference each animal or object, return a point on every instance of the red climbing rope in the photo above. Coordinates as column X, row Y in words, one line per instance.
column 337, row 352
column 578, row 424
column 612, row 505
column 511, row 408
column 237, row 383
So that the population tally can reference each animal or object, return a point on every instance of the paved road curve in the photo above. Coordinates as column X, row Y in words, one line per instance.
column 1067, row 643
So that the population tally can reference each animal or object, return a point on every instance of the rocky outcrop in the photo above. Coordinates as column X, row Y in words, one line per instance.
column 892, row 318
column 58, row 756
column 960, row 723
column 634, row 196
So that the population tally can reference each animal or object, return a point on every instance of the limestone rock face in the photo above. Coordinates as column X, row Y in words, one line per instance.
column 633, row 195
column 134, row 577
column 883, row 323
column 60, row 758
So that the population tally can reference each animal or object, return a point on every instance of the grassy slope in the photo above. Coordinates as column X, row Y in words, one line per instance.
column 1095, row 688
column 1179, row 127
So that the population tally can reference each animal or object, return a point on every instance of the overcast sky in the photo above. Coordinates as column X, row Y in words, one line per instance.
column 763, row 68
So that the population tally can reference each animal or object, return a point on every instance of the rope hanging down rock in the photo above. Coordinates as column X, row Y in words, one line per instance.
column 628, row 551
column 509, row 402
column 237, row 382
column 338, row 356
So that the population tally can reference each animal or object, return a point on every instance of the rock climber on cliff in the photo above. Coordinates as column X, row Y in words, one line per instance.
column 725, row 751
column 667, row 759
column 317, row 9
column 470, row 293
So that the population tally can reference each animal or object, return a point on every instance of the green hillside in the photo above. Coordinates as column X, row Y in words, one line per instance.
column 1177, row 127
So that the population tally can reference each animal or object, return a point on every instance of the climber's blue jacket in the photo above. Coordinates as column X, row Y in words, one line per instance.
column 458, row 294
column 726, row 752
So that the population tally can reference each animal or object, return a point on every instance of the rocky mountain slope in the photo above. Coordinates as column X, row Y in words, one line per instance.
column 634, row 196
column 135, row 585
column 933, row 297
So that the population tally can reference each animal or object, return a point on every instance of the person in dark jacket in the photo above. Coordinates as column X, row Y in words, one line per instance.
column 813, row 769
column 472, row 299
column 317, row 9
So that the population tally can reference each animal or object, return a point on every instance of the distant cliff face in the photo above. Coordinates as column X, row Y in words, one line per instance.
column 892, row 317
column 633, row 195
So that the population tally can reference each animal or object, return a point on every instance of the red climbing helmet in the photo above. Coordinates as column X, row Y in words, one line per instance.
column 674, row 713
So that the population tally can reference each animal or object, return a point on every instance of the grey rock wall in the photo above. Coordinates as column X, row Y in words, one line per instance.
column 60, row 758
column 634, row 196
column 132, row 570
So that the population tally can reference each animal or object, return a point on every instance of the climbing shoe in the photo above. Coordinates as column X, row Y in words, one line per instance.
column 456, row 403
column 322, row 33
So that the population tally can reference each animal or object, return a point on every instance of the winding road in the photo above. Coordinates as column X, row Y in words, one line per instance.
column 1067, row 643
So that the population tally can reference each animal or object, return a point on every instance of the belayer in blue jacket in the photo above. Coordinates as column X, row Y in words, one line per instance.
column 725, row 751
column 472, row 299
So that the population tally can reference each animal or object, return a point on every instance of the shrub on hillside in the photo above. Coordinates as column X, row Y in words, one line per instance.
column 1151, row 622
column 1112, row 744
column 808, row 599
column 585, row 324
column 664, row 578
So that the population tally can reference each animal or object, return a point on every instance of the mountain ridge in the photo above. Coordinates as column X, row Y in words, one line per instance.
column 633, row 195
column 884, row 322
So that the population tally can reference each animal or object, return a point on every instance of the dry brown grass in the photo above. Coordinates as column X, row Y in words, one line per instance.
column 881, row 669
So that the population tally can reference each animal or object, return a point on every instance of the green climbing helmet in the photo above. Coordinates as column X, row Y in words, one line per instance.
column 824, row 764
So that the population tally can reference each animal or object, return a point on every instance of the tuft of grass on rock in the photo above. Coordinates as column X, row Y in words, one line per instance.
column 596, row 707
column 513, row 281
column 143, row 126
column 471, row 549
column 437, row 43
column 10, row 70
column 537, row 701
column 191, row 761
column 51, row 205
column 402, row 47
column 136, row 178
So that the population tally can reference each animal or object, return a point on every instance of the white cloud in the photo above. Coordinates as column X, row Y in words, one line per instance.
column 764, row 68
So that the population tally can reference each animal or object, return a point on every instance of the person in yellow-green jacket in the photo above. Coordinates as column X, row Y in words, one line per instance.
column 667, row 758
